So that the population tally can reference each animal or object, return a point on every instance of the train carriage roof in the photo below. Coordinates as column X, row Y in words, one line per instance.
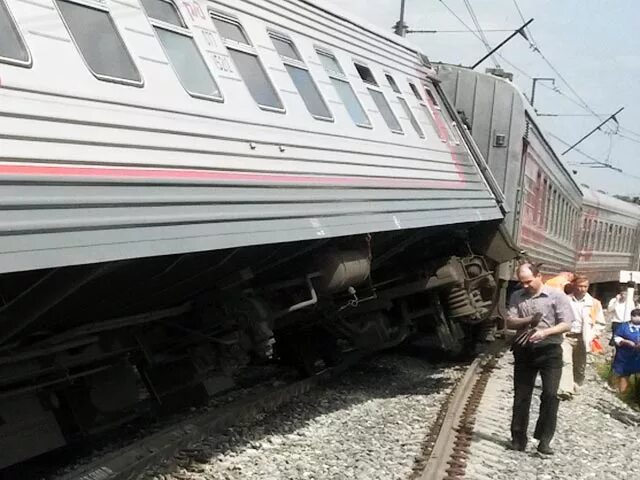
column 603, row 201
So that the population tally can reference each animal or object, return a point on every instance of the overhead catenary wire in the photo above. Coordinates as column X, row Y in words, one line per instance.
column 580, row 102
column 483, row 37
column 527, row 29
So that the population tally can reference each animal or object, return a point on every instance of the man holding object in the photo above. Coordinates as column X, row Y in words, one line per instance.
column 547, row 313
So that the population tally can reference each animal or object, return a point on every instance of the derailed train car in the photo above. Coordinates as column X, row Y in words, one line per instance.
column 558, row 223
column 191, row 187
column 544, row 200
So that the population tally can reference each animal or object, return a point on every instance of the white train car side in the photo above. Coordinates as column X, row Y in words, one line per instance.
column 189, row 188
column 196, row 126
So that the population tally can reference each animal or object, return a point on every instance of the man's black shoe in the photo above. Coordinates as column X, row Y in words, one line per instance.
column 545, row 449
column 518, row 446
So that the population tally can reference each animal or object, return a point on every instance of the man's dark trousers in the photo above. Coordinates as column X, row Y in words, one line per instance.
column 546, row 359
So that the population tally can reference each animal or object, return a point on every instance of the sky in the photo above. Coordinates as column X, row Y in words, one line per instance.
column 594, row 45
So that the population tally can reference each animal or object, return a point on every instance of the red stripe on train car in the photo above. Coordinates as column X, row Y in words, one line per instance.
column 218, row 175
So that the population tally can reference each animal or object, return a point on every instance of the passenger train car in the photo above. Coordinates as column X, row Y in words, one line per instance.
column 609, row 237
column 189, row 188
column 558, row 223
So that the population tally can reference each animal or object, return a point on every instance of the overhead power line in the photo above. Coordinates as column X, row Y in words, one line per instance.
column 586, row 155
column 529, row 34
column 462, row 31
column 481, row 34
column 591, row 132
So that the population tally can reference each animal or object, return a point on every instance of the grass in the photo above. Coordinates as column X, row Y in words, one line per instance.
column 632, row 395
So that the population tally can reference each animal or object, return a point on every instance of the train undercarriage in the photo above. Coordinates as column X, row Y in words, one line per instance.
column 85, row 349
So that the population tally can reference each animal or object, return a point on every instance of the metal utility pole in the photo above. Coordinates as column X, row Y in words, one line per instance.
column 497, row 47
column 533, row 88
column 401, row 28
column 612, row 116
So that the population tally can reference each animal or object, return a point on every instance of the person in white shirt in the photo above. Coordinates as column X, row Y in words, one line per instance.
column 617, row 312
column 616, row 309
column 588, row 323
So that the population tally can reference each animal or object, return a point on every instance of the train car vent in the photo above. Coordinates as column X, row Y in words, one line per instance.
column 500, row 140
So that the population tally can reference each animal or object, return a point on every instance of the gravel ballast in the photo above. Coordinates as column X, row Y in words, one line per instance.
column 370, row 423
column 598, row 436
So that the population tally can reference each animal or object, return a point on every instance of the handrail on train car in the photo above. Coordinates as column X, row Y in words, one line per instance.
column 475, row 151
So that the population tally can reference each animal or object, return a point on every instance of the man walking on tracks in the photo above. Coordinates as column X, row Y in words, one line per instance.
column 587, row 324
column 542, row 314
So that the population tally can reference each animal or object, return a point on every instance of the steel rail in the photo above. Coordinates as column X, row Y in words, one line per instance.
column 128, row 462
column 447, row 458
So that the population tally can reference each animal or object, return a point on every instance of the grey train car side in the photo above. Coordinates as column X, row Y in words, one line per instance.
column 190, row 188
column 558, row 223
column 546, row 203
column 609, row 237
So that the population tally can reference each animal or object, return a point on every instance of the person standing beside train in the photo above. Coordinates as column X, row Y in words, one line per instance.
column 588, row 323
column 562, row 281
column 547, row 312
column 617, row 311
column 627, row 359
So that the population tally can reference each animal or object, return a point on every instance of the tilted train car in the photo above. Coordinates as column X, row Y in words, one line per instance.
column 565, row 227
column 544, row 199
column 609, row 238
column 187, row 186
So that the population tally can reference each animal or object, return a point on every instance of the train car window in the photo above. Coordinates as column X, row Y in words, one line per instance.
column 330, row 64
column 365, row 74
column 385, row 109
column 248, row 63
column 619, row 238
column 392, row 83
column 98, row 41
column 181, row 50
column 432, row 110
column 230, row 30
column 432, row 98
column 600, row 236
column 12, row 47
column 585, row 234
column 344, row 89
column 548, row 205
column 627, row 236
column 556, row 212
column 163, row 11
column 538, row 199
column 415, row 91
column 285, row 47
column 562, row 220
column 412, row 118
column 379, row 99
column 301, row 77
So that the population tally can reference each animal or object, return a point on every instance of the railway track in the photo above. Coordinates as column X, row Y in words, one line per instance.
column 442, row 452
column 452, row 434
column 130, row 461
